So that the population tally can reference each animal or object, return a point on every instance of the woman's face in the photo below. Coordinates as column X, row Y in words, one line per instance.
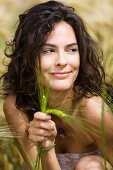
column 60, row 58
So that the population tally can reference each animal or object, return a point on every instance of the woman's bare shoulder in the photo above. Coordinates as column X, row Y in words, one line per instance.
column 10, row 102
column 92, row 108
column 90, row 101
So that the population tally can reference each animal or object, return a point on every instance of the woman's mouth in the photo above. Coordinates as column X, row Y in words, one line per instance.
column 61, row 74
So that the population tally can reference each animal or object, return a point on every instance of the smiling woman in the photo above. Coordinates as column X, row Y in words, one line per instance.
column 60, row 58
column 52, row 46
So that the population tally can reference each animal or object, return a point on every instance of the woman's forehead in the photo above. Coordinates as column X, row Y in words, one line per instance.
column 62, row 30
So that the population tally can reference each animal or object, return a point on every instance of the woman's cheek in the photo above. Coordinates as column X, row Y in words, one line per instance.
column 45, row 63
column 75, row 63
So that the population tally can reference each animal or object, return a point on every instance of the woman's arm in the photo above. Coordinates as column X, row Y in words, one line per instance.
column 19, row 123
column 92, row 111
column 27, row 135
column 49, row 160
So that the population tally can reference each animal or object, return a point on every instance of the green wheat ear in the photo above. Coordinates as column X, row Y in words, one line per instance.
column 43, row 104
column 56, row 112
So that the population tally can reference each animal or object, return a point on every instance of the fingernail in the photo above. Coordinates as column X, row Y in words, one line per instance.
column 48, row 117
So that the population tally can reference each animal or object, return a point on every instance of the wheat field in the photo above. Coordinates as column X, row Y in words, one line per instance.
column 97, row 14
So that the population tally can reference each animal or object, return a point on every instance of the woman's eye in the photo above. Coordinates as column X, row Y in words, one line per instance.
column 72, row 50
column 48, row 51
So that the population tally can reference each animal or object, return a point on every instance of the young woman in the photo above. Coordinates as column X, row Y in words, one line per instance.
column 52, row 37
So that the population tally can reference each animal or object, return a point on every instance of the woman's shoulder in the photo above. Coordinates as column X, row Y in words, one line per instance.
column 90, row 101
column 10, row 101
column 9, row 105
column 91, row 108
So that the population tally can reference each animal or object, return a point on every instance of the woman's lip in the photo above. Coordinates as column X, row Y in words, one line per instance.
column 61, row 74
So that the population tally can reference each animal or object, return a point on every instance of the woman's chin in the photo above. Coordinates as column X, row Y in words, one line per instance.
column 60, row 85
column 60, row 88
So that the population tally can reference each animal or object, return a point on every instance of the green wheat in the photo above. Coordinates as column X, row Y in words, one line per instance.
column 102, row 128
column 48, row 111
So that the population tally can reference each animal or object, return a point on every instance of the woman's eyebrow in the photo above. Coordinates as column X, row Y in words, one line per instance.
column 72, row 44
column 52, row 45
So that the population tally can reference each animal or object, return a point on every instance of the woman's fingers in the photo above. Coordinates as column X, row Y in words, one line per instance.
column 38, row 135
column 39, row 132
column 36, row 138
column 42, row 124
column 41, row 116
column 42, row 128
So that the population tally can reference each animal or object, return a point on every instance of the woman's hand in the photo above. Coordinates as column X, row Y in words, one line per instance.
column 42, row 129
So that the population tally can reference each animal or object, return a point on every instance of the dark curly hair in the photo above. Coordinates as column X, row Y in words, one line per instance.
column 33, row 29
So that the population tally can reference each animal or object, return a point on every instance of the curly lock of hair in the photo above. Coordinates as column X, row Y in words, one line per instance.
column 35, row 25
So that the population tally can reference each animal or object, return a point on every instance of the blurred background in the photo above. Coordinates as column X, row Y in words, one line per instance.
column 98, row 15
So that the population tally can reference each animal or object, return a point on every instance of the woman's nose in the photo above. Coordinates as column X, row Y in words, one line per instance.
column 61, row 59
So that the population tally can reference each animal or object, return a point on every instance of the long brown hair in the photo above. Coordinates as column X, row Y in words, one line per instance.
column 33, row 29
